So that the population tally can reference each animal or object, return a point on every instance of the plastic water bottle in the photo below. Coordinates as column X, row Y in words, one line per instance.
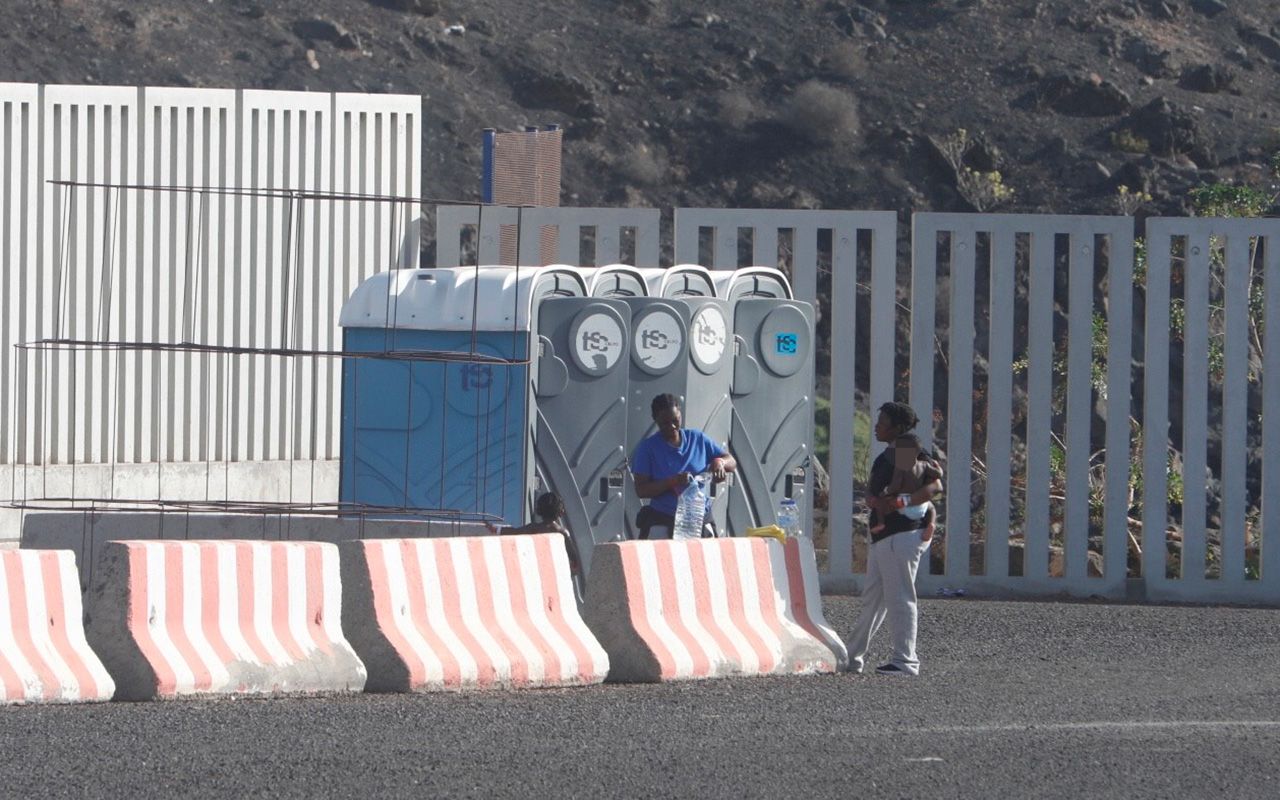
column 789, row 517
column 690, row 509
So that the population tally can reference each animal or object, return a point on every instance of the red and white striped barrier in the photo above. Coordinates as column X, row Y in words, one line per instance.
column 466, row 612
column 173, row 618
column 43, row 653
column 704, row 608
column 805, row 596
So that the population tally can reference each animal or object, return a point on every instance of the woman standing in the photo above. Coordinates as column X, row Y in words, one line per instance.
column 894, row 556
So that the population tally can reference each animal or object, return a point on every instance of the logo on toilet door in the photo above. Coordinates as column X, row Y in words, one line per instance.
column 659, row 340
column 708, row 338
column 597, row 342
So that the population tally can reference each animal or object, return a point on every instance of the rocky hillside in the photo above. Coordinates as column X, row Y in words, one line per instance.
column 792, row 103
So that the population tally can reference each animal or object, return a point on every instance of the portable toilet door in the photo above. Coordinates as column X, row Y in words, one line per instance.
column 580, row 413
column 435, row 405
column 771, row 433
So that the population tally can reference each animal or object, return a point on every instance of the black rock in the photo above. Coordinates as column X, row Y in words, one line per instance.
column 1171, row 130
column 1210, row 8
column 533, row 87
column 322, row 30
column 1209, row 78
column 1136, row 175
column 426, row 8
column 1264, row 43
column 1151, row 59
column 1082, row 97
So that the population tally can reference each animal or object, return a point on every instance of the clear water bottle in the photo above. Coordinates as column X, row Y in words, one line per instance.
column 789, row 517
column 690, row 509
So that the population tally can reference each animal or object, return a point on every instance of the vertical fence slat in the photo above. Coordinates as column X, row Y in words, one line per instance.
column 1079, row 390
column 608, row 245
column 685, row 235
column 804, row 264
column 1119, row 326
column 648, row 240
column 1195, row 411
column 1155, row 414
column 960, row 404
column 450, row 221
column 529, row 240
column 924, row 288
column 1269, row 558
column 999, row 403
column 764, row 247
column 725, row 252
column 1035, row 560
column 884, row 332
column 844, row 333
column 11, row 112
column 1234, row 398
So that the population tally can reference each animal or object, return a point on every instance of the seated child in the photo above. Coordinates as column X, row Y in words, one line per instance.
column 913, row 468
column 550, row 510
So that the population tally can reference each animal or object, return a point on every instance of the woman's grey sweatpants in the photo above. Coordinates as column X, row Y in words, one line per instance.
column 890, row 593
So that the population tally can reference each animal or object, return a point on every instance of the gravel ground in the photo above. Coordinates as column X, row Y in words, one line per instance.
column 1015, row 699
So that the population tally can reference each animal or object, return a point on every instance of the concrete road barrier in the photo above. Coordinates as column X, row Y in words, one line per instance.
column 466, row 612
column 44, row 657
column 706, row 608
column 221, row 617
column 804, row 594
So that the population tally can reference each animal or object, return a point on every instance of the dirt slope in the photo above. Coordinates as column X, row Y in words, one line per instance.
column 796, row 103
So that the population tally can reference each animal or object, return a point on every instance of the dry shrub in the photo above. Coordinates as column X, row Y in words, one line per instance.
column 845, row 61
column 822, row 113
column 643, row 165
column 735, row 109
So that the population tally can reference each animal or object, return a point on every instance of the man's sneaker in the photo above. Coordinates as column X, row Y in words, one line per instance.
column 855, row 667
column 893, row 669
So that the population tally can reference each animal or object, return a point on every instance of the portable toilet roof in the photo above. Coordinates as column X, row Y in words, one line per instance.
column 615, row 280
column 444, row 299
column 682, row 280
column 752, row 282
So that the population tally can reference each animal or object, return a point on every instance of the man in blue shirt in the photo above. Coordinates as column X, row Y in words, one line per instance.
column 665, row 463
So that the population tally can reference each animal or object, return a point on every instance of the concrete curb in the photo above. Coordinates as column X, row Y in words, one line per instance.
column 707, row 608
column 44, row 657
column 466, row 613
column 221, row 617
column 805, row 597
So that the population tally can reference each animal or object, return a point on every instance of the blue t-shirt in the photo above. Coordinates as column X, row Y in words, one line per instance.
column 657, row 460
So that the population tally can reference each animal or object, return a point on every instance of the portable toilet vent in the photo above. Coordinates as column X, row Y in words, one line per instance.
column 615, row 280
column 436, row 413
column 733, row 285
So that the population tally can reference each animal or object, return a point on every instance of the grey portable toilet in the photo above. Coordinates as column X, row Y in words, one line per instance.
column 436, row 415
column 771, row 432
column 681, row 344
column 580, row 413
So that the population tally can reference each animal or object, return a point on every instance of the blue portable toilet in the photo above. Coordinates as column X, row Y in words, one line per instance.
column 437, row 411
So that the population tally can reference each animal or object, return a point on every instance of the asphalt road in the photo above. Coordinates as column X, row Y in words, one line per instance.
column 1015, row 700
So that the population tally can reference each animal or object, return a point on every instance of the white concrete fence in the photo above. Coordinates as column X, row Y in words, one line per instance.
column 1018, row 415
